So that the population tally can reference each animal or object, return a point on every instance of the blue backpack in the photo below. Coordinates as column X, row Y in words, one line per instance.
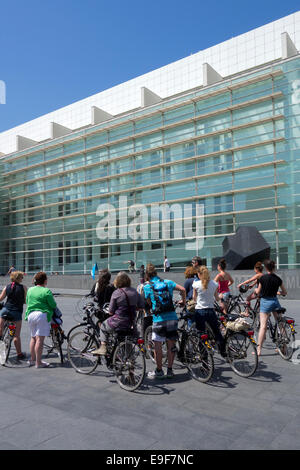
column 162, row 297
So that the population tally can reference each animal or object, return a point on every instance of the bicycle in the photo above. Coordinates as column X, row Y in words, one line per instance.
column 252, row 311
column 56, row 337
column 281, row 332
column 240, row 347
column 194, row 350
column 9, row 330
column 232, row 305
column 90, row 310
column 125, row 355
column 55, row 341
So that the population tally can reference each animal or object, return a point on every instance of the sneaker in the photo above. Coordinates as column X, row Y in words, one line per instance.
column 170, row 374
column 156, row 374
column 101, row 351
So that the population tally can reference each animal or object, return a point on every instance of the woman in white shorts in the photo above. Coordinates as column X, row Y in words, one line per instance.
column 40, row 307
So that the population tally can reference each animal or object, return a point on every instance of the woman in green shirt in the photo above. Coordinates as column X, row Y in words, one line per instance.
column 40, row 307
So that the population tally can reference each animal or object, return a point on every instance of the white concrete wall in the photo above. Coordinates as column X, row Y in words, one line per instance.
column 240, row 53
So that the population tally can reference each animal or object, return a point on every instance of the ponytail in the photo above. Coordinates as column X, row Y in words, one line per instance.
column 205, row 276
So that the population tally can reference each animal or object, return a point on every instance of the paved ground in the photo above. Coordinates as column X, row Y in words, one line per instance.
column 57, row 408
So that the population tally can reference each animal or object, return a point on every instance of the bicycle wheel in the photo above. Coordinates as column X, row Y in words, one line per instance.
column 211, row 337
column 235, row 308
column 58, row 339
column 139, row 323
column 81, row 304
column 49, row 344
column 149, row 346
column 129, row 365
column 7, row 339
column 198, row 359
column 285, row 338
column 256, row 327
column 79, row 350
column 241, row 354
column 75, row 328
column 252, row 316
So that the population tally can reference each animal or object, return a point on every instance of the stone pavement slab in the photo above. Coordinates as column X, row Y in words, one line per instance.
column 57, row 408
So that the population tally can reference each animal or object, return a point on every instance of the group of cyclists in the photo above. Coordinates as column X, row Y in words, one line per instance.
column 154, row 297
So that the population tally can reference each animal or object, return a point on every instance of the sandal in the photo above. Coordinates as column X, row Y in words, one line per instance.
column 42, row 365
column 21, row 356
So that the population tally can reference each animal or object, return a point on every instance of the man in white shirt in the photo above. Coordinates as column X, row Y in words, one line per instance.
column 166, row 265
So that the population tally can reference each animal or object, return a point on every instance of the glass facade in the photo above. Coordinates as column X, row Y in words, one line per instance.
column 104, row 193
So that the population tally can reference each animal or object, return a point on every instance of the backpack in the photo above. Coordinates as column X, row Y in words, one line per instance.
column 162, row 297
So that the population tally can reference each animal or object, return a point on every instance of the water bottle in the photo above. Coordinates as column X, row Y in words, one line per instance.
column 2, row 353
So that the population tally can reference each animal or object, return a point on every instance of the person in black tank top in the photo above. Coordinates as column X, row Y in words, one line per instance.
column 267, row 290
column 102, row 290
column 15, row 294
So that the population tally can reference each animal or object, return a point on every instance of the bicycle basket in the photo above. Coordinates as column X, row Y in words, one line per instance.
column 190, row 306
column 238, row 325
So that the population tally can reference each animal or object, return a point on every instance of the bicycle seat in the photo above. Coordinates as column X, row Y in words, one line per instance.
column 8, row 317
column 128, row 332
column 186, row 315
column 280, row 310
column 231, row 316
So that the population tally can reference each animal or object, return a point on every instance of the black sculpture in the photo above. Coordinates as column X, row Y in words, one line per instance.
column 244, row 249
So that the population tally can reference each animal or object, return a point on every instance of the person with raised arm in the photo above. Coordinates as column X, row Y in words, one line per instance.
column 270, row 286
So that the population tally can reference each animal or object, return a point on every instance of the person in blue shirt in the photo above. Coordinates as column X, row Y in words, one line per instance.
column 158, row 295
column 190, row 275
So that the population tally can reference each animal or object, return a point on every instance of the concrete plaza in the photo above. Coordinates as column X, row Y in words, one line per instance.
column 57, row 408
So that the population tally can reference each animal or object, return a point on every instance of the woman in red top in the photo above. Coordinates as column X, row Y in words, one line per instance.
column 224, row 281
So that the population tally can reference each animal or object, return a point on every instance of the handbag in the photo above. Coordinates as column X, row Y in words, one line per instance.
column 191, row 305
column 238, row 325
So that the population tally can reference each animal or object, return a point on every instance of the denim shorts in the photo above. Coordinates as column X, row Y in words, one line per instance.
column 269, row 304
column 15, row 314
column 225, row 296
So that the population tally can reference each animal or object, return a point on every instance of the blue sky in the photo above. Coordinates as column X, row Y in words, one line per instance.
column 56, row 52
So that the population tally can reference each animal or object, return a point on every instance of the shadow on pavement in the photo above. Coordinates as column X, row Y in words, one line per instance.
column 263, row 375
